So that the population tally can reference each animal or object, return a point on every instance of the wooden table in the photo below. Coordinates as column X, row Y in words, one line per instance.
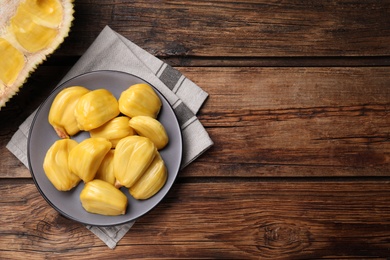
column 299, row 113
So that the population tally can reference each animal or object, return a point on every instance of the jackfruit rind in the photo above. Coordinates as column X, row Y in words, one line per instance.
column 22, row 21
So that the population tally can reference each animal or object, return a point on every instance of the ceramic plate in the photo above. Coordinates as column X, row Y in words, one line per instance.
column 42, row 136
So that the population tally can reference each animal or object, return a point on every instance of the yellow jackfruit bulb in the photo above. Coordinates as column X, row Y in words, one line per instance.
column 30, row 30
column 30, row 35
column 151, row 181
column 106, row 168
column 96, row 108
column 44, row 12
column 11, row 63
column 61, row 114
column 114, row 130
column 151, row 128
column 139, row 100
column 100, row 197
column 133, row 155
column 55, row 165
column 86, row 157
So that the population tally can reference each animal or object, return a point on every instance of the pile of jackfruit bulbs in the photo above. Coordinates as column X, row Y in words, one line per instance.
column 123, row 149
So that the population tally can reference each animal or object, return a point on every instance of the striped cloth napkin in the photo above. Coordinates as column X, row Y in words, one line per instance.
column 112, row 51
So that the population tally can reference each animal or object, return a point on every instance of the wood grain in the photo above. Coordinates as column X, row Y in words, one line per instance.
column 238, row 28
column 296, row 121
column 325, row 220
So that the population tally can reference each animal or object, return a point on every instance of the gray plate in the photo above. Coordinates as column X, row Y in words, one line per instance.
column 42, row 136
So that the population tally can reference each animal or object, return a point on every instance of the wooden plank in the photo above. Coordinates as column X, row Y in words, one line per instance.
column 291, row 88
column 194, row 61
column 295, row 121
column 336, row 121
column 239, row 28
column 230, row 220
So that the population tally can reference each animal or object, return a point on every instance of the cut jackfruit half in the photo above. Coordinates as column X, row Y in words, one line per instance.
column 30, row 30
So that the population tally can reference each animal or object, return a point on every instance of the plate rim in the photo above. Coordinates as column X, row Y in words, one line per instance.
column 69, row 216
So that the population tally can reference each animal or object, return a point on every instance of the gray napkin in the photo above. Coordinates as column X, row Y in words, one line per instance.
column 112, row 51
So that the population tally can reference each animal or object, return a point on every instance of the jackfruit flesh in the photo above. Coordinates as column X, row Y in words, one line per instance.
column 55, row 165
column 151, row 128
column 139, row 100
column 11, row 62
column 114, row 130
column 103, row 198
column 30, row 30
column 151, row 181
column 31, row 36
column 86, row 157
column 44, row 12
column 96, row 108
column 61, row 113
column 106, row 168
column 133, row 155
